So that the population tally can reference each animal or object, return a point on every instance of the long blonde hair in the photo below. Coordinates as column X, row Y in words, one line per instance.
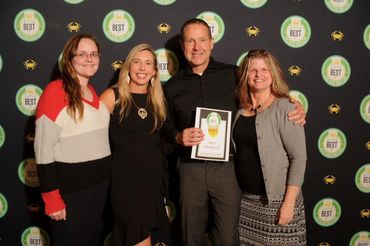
column 279, row 87
column 155, row 98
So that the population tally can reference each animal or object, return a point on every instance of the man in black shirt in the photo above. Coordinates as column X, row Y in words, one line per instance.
column 206, row 187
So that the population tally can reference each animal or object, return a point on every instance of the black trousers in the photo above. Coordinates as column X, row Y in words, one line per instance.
column 209, row 188
column 84, row 224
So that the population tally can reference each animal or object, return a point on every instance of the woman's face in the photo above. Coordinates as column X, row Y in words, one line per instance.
column 86, row 60
column 142, row 69
column 259, row 75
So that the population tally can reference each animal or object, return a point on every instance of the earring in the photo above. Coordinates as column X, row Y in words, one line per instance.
column 152, row 82
column 128, row 79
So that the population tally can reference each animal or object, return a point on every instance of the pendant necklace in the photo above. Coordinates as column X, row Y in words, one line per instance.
column 141, row 111
column 259, row 107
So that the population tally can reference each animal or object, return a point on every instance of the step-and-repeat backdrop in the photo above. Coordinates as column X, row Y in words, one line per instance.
column 323, row 46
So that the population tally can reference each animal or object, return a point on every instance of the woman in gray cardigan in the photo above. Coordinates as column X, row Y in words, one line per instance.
column 270, row 156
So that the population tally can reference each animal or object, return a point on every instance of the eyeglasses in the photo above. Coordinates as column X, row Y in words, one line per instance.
column 84, row 55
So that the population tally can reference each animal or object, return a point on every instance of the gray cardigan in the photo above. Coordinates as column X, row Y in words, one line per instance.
column 281, row 147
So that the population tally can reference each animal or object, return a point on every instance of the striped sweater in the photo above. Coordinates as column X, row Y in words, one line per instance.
column 70, row 155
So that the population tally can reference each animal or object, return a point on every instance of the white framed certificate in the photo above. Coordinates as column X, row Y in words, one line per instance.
column 216, row 126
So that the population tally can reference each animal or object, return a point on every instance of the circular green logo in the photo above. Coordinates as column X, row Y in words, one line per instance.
column 295, row 31
column 327, row 212
column 367, row 36
column 1, row 63
column 118, row 25
column 362, row 178
column 26, row 99
column 73, row 1
column 164, row 2
column 35, row 236
column 300, row 97
column 241, row 58
column 253, row 4
column 360, row 238
column 29, row 25
column 332, row 143
column 27, row 173
column 335, row 71
column 2, row 136
column 3, row 205
column 167, row 64
column 215, row 23
column 365, row 109
column 339, row 7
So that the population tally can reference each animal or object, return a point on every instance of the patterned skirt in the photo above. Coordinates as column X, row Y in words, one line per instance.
column 257, row 222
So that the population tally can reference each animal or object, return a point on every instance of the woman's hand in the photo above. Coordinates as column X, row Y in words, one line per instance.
column 59, row 215
column 285, row 213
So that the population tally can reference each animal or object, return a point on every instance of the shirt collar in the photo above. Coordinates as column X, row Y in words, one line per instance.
column 189, row 71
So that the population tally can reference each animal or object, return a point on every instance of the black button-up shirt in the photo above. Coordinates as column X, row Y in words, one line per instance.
column 185, row 91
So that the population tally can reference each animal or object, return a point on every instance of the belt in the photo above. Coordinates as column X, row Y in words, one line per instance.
column 184, row 159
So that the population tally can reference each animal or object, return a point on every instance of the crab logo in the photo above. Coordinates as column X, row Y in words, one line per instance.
column 33, row 208
column 329, row 179
column 164, row 28
column 337, row 35
column 73, row 26
column 30, row 64
column 324, row 244
column 334, row 108
column 30, row 137
column 294, row 70
column 365, row 213
column 252, row 31
column 116, row 65
column 367, row 145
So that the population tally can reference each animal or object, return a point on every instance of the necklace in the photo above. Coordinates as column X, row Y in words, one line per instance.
column 141, row 111
column 259, row 107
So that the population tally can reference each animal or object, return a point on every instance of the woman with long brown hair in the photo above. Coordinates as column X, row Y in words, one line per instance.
column 270, row 156
column 72, row 147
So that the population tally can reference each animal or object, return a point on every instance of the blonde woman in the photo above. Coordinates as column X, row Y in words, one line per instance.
column 137, row 108
column 270, row 156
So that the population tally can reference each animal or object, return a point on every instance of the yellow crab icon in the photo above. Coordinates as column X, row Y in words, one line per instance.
column 337, row 35
column 334, row 108
column 33, row 208
column 116, row 65
column 30, row 64
column 365, row 213
column 30, row 137
column 164, row 28
column 73, row 26
column 367, row 145
column 324, row 244
column 329, row 179
column 294, row 70
column 252, row 31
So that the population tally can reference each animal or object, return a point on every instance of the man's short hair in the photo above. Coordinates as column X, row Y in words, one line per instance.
column 194, row 21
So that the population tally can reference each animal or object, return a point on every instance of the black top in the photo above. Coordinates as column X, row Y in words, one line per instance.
column 185, row 91
column 248, row 164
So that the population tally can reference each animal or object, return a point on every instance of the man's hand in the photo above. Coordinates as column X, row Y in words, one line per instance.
column 298, row 115
column 190, row 137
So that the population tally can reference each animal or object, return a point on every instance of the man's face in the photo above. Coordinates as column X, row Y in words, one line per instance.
column 197, row 46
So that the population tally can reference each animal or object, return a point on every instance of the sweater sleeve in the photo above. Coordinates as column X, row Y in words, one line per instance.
column 47, row 134
column 294, row 141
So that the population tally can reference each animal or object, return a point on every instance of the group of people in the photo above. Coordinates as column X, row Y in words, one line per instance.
column 86, row 147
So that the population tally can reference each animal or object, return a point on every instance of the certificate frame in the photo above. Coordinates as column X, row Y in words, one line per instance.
column 216, row 126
